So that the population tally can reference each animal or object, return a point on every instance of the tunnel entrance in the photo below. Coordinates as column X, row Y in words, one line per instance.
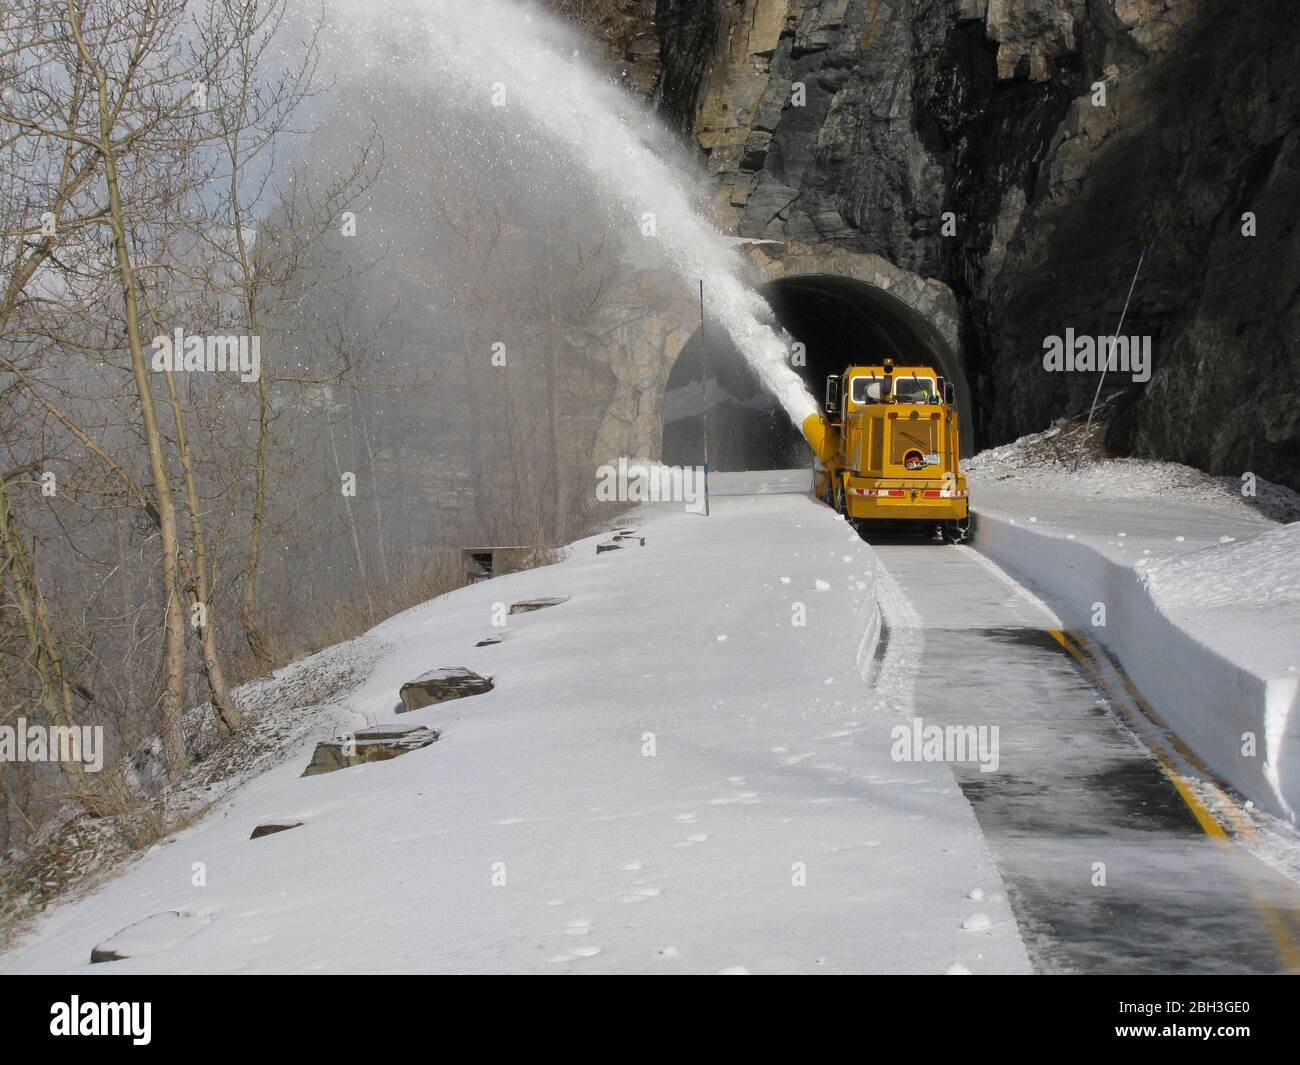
column 839, row 320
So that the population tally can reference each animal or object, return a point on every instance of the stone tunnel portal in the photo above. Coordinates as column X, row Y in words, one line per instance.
column 839, row 320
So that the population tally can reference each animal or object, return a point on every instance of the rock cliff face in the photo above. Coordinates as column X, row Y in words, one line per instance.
column 1023, row 153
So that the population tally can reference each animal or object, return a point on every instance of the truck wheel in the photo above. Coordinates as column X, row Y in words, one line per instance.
column 954, row 532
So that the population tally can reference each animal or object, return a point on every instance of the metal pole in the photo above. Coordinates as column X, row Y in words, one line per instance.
column 1110, row 348
column 704, row 382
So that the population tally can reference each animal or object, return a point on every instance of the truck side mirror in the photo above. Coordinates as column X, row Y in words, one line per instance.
column 949, row 394
column 832, row 394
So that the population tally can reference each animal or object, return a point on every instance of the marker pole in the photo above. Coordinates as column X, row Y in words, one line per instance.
column 704, row 382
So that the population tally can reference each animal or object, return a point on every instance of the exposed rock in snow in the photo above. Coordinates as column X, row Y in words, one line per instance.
column 375, row 744
column 441, row 686
column 162, row 931
column 271, row 829
column 529, row 605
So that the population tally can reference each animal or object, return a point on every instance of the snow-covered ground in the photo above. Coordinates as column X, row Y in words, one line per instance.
column 671, row 775
column 683, row 767
column 1193, row 586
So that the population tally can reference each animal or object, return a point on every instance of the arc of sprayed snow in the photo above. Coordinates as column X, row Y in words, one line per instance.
column 473, row 48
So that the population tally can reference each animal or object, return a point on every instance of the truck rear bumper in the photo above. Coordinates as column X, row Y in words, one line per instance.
column 873, row 501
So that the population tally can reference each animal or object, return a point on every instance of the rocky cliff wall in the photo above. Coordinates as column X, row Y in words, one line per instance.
column 967, row 141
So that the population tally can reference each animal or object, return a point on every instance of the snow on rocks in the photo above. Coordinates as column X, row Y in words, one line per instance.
column 529, row 605
column 377, row 743
column 1043, row 465
column 442, row 685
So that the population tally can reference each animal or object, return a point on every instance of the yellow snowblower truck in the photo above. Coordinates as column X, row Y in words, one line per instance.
column 888, row 449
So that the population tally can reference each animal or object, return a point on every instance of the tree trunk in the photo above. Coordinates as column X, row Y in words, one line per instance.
column 173, row 703
column 56, row 692
column 248, row 603
column 352, row 523
column 197, row 580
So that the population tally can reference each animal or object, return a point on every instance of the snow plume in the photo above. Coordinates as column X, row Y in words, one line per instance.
column 499, row 57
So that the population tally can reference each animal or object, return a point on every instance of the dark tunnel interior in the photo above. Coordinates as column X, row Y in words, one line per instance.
column 839, row 320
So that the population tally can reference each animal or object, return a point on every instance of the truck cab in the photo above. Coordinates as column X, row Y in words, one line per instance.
column 889, row 448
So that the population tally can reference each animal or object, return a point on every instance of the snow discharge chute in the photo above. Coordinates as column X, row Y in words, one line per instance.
column 821, row 437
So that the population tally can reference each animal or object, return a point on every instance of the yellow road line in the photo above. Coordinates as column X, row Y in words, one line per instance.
column 1274, row 918
column 1204, row 817
column 1241, row 824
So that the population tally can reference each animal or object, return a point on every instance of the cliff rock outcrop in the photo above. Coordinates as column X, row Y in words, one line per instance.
column 1023, row 153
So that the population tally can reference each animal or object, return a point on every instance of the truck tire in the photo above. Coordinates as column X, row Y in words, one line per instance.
column 955, row 532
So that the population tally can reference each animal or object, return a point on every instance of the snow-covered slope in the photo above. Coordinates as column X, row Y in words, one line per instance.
column 768, row 831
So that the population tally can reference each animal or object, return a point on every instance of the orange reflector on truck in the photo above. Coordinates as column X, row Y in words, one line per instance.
column 899, row 493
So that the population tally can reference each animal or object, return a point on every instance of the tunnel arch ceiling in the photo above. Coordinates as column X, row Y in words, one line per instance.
column 840, row 320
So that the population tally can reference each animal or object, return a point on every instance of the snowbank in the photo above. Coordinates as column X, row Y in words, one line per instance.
column 1200, row 592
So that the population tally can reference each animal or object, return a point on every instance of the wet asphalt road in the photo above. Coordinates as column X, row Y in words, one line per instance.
column 1074, row 789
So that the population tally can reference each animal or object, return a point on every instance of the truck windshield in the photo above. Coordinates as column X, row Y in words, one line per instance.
column 905, row 389
column 914, row 389
column 866, row 390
